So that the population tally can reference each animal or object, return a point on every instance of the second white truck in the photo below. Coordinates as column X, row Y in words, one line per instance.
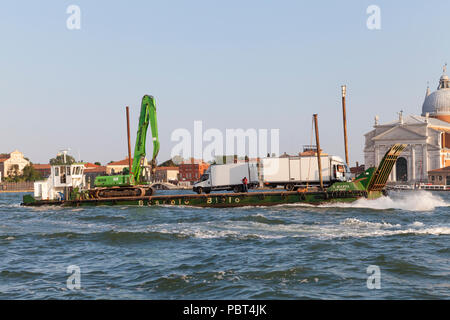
column 227, row 177
column 295, row 172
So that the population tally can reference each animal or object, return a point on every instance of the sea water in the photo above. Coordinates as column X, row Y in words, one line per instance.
column 282, row 252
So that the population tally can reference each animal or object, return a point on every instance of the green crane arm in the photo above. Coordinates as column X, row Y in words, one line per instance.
column 148, row 115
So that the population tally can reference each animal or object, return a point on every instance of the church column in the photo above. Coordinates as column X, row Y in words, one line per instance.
column 408, row 167
column 376, row 155
column 425, row 162
column 394, row 173
column 413, row 164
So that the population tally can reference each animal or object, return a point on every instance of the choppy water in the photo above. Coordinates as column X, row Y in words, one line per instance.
column 283, row 252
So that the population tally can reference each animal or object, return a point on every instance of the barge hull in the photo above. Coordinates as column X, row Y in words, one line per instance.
column 219, row 200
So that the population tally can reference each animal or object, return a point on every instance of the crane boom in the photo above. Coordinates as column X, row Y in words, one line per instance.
column 148, row 115
column 134, row 178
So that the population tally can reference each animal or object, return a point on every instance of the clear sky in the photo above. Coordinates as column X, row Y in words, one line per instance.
column 232, row 64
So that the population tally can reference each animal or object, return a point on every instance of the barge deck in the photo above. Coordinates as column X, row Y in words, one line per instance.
column 217, row 200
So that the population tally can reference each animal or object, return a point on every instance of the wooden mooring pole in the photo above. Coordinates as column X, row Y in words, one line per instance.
column 319, row 162
column 344, row 119
column 128, row 135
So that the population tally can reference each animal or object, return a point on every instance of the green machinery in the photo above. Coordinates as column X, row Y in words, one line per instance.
column 132, row 183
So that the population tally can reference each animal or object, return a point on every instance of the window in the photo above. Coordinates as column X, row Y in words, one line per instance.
column 68, row 171
column 56, row 171
column 432, row 178
column 63, row 174
column 440, row 178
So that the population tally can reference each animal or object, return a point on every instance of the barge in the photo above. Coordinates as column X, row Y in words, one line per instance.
column 370, row 184
column 66, row 185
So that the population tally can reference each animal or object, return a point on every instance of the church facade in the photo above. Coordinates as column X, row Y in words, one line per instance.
column 427, row 137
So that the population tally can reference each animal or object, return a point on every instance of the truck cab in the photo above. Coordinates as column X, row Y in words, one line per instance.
column 341, row 172
column 204, row 184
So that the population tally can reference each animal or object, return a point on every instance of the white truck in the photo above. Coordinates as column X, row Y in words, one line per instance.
column 301, row 171
column 227, row 177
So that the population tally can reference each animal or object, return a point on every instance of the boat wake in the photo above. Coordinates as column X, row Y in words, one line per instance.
column 347, row 228
column 409, row 201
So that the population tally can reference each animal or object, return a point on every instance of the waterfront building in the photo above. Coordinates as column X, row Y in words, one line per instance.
column 12, row 163
column 439, row 176
column 427, row 136
column 116, row 167
column 166, row 174
column 43, row 169
column 191, row 170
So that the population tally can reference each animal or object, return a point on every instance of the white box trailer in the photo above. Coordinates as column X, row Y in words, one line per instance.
column 227, row 177
column 294, row 172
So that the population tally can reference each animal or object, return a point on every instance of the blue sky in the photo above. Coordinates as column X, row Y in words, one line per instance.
column 233, row 64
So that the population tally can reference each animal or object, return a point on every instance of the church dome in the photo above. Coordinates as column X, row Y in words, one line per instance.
column 438, row 102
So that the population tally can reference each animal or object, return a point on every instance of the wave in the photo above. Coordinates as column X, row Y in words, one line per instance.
column 359, row 229
column 19, row 274
column 416, row 224
column 359, row 223
column 259, row 218
column 103, row 218
column 7, row 237
column 116, row 235
column 10, row 205
column 130, row 236
column 252, row 227
column 249, row 230
column 204, row 233
column 409, row 201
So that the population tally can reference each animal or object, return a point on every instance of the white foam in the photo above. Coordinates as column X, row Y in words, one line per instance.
column 416, row 224
column 350, row 227
column 434, row 231
column 359, row 223
column 410, row 201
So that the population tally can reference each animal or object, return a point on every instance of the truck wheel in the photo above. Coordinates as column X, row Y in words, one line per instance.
column 289, row 187
column 199, row 190
column 237, row 189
